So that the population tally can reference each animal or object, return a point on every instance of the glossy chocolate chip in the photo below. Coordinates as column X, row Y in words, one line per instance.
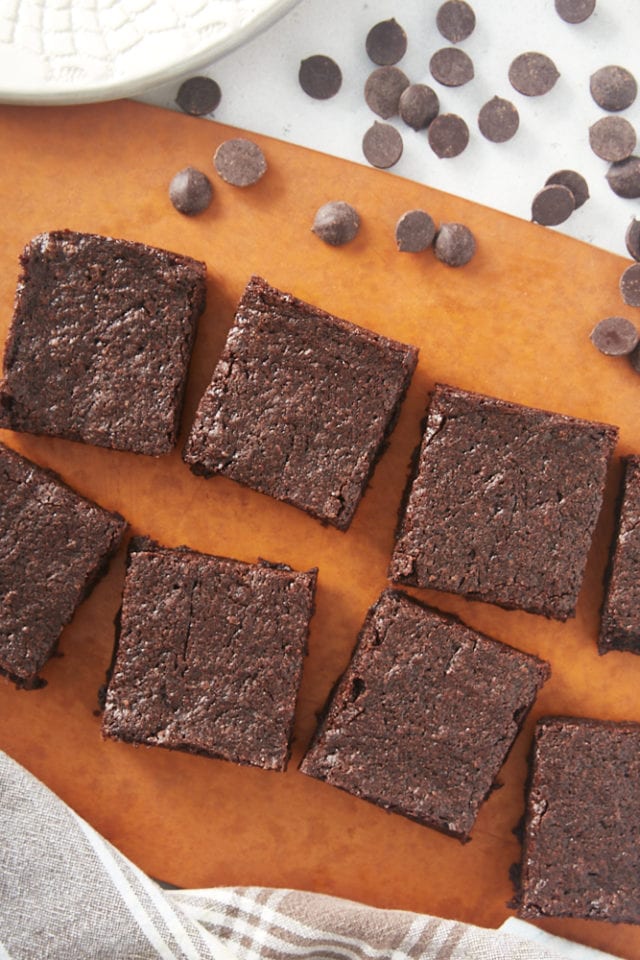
column 630, row 285
column 415, row 231
column 613, row 88
column 418, row 105
column 615, row 336
column 498, row 120
column 240, row 162
column 552, row 205
column 336, row 222
column 448, row 135
column 575, row 11
column 574, row 181
column 386, row 42
column 382, row 145
column 624, row 178
column 455, row 244
column 533, row 74
column 198, row 96
column 632, row 239
column 612, row 138
column 320, row 77
column 634, row 357
column 190, row 191
column 451, row 67
column 383, row 89
column 455, row 20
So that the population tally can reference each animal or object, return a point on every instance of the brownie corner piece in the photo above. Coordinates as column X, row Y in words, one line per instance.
column 620, row 618
column 424, row 716
column 580, row 854
column 100, row 341
column 209, row 655
column 54, row 546
column 502, row 503
column 300, row 404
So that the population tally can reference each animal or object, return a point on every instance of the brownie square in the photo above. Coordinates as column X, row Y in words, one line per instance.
column 424, row 716
column 503, row 503
column 209, row 655
column 100, row 341
column 300, row 404
column 54, row 546
column 581, row 856
column 620, row 624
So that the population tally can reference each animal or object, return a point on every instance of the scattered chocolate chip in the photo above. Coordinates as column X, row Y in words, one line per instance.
column 455, row 20
column 415, row 231
column 612, row 138
column 383, row 89
column 630, row 285
column 418, row 105
column 336, row 222
column 451, row 67
column 632, row 239
column 575, row 11
column 624, row 178
column 448, row 135
column 240, row 162
column 320, row 77
column 614, row 336
column 533, row 74
column 634, row 357
column 382, row 145
column 574, row 181
column 613, row 88
column 552, row 205
column 198, row 96
column 498, row 120
column 190, row 191
column 386, row 43
column 455, row 244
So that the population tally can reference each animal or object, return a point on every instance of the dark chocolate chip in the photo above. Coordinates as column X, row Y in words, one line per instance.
column 383, row 89
column 198, row 96
column 455, row 20
column 448, row 135
column 613, row 88
column 382, row 145
column 451, row 67
column 634, row 357
column 612, row 138
column 575, row 11
column 190, row 191
column 624, row 178
column 386, row 43
column 630, row 285
column 533, row 74
column 240, row 162
column 455, row 244
column 575, row 182
column 552, row 205
column 415, row 231
column 320, row 77
column 498, row 120
column 418, row 105
column 336, row 222
column 615, row 336
column 632, row 239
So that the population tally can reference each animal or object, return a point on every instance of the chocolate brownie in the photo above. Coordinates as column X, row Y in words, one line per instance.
column 209, row 655
column 620, row 624
column 424, row 715
column 100, row 341
column 503, row 503
column 54, row 546
column 300, row 404
column 581, row 856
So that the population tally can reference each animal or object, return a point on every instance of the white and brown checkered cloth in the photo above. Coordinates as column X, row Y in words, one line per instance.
column 66, row 893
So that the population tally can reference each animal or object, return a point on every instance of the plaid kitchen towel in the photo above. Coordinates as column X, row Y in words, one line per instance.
column 67, row 893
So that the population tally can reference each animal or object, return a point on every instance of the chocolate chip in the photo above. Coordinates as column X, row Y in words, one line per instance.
column 632, row 239
column 190, row 191
column 448, row 135
column 612, row 138
column 624, row 178
column 614, row 336
column 336, row 222
column 455, row 20
column 634, row 357
column 386, row 43
column 552, row 205
column 383, row 89
column 240, row 162
column 498, row 120
column 613, row 88
column 533, row 74
column 455, row 244
column 382, row 145
column 451, row 67
column 198, row 96
column 418, row 105
column 575, row 11
column 320, row 77
column 415, row 231
column 630, row 285
column 575, row 182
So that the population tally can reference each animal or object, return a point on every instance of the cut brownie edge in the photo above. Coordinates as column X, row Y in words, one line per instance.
column 620, row 611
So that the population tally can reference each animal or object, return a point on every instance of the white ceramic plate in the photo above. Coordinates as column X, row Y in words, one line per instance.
column 74, row 51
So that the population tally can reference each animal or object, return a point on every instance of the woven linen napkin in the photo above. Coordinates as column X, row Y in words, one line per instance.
column 67, row 893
